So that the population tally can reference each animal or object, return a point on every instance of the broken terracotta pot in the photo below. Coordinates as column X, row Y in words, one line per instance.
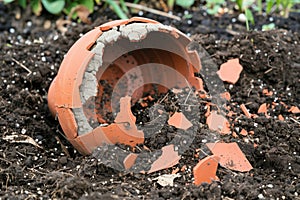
column 111, row 67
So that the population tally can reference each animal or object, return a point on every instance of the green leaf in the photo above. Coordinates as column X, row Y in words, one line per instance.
column 187, row 16
column 117, row 9
column 247, row 3
column 268, row 27
column 239, row 3
column 36, row 7
column 214, row 10
column 54, row 6
column 270, row 4
column 89, row 4
column 170, row 4
column 22, row 3
column 123, row 6
column 249, row 15
column 68, row 9
column 185, row 3
column 8, row 1
column 259, row 6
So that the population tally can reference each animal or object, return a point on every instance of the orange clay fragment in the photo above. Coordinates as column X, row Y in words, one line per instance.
column 225, row 95
column 124, row 130
column 230, row 113
column 263, row 108
column 234, row 134
column 130, row 160
column 179, row 121
column 244, row 132
column 174, row 171
column 280, row 117
column 267, row 92
column 231, row 156
column 205, row 170
column 168, row 159
column 183, row 168
column 283, row 104
column 294, row 109
column 245, row 110
column 218, row 123
column 230, row 71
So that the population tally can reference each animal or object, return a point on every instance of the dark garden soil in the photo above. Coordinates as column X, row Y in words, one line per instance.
column 32, row 49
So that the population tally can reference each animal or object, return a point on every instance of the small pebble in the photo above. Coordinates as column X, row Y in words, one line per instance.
column 242, row 17
column 12, row 30
column 261, row 196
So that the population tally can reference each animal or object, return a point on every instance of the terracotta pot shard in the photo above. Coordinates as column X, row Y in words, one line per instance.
column 230, row 71
column 263, row 108
column 124, row 130
column 245, row 110
column 129, row 160
column 205, row 170
column 267, row 92
column 218, row 123
column 179, row 121
column 244, row 132
column 231, row 156
column 168, row 159
column 280, row 117
column 226, row 95
column 294, row 109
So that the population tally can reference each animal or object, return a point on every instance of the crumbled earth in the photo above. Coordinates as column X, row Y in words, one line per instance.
column 30, row 55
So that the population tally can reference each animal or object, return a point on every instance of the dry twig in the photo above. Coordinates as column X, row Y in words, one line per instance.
column 151, row 10
column 23, row 66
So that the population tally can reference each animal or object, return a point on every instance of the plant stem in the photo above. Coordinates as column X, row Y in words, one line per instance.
column 259, row 4
column 117, row 9
column 171, row 4
column 123, row 6
column 247, row 24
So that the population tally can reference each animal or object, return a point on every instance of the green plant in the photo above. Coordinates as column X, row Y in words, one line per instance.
column 249, row 18
column 259, row 6
column 268, row 27
column 283, row 7
column 120, row 11
column 54, row 6
column 243, row 7
column 213, row 6
column 182, row 3
column 72, row 8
